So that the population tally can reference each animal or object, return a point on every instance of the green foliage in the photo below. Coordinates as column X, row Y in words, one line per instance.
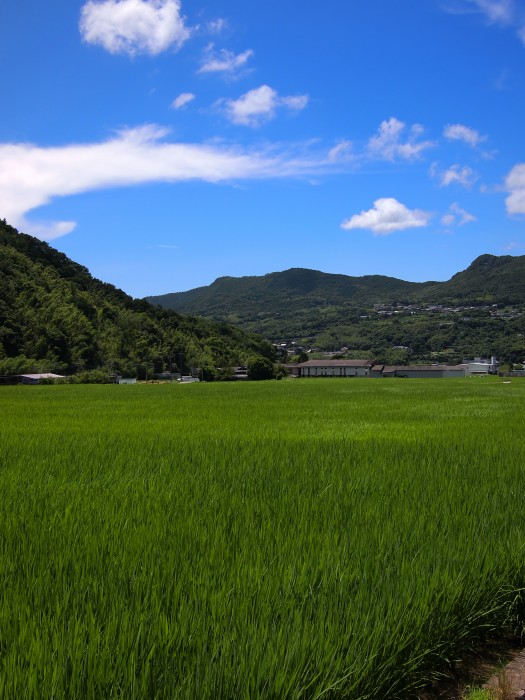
column 477, row 694
column 255, row 540
column 280, row 372
column 260, row 368
column 55, row 317
column 24, row 365
column 95, row 376
column 395, row 357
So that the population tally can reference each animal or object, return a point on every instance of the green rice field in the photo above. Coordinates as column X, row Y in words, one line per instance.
column 297, row 539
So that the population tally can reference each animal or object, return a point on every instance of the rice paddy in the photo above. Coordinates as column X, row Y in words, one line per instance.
column 298, row 539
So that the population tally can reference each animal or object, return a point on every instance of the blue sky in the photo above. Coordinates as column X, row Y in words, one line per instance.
column 163, row 144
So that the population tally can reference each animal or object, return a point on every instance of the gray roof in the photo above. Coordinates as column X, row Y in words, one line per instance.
column 337, row 363
column 422, row 368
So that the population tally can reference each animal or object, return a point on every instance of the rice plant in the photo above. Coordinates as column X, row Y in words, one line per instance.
column 317, row 539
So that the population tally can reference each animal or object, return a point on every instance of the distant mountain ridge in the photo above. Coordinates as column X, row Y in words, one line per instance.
column 489, row 279
column 264, row 291
column 326, row 309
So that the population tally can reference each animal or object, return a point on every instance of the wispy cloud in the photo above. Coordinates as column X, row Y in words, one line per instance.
column 505, row 13
column 387, row 216
column 514, row 245
column 32, row 176
column 395, row 141
column 341, row 152
column 456, row 174
column 224, row 61
column 460, row 132
column 182, row 100
column 217, row 26
column 133, row 26
column 497, row 11
column 456, row 216
column 494, row 11
column 515, row 185
column 260, row 105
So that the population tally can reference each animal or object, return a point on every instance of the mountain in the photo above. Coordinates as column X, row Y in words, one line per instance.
column 329, row 311
column 247, row 295
column 54, row 316
column 490, row 279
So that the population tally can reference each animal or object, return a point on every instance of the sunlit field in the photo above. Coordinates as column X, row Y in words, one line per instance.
column 295, row 539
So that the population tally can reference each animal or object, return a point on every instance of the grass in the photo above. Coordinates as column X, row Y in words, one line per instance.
column 503, row 691
column 478, row 694
column 323, row 539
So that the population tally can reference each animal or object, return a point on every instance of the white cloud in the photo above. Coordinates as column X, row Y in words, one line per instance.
column 448, row 220
column 133, row 26
column 460, row 132
column 182, row 100
column 457, row 216
column 260, row 105
column 341, row 152
column 223, row 61
column 46, row 231
column 496, row 11
column 464, row 176
column 390, row 143
column 515, row 184
column 217, row 26
column 514, row 245
column 387, row 215
column 456, row 174
column 31, row 176
column 506, row 13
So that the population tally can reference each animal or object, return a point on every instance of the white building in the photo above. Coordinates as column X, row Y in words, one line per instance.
column 481, row 366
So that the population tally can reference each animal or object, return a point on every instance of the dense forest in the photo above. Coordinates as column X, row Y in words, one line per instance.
column 479, row 311
column 55, row 317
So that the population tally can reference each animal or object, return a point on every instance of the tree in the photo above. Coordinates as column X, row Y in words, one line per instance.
column 260, row 368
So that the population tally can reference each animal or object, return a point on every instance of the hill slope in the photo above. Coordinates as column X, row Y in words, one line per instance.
column 329, row 311
column 55, row 316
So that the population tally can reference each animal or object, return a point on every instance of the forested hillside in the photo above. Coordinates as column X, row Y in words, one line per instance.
column 479, row 311
column 54, row 316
